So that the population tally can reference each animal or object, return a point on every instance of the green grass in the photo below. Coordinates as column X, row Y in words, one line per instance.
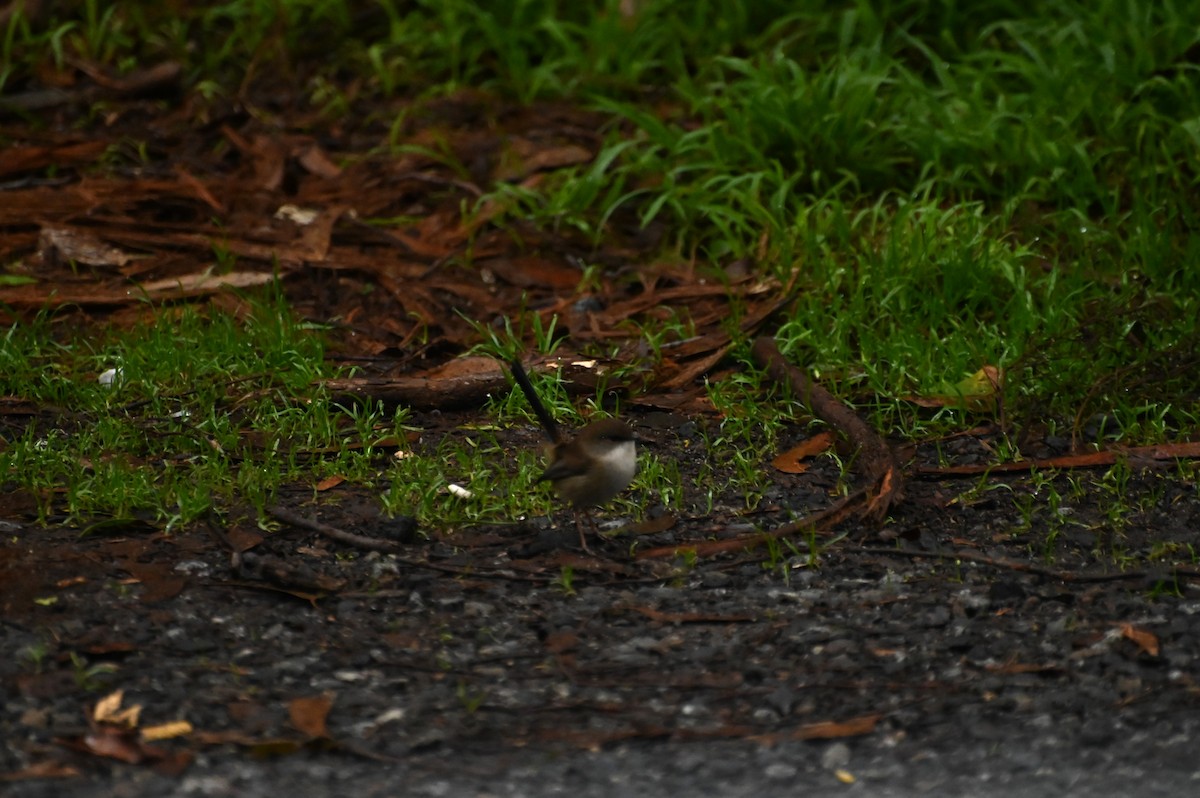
column 950, row 199
column 952, row 185
column 201, row 411
column 210, row 413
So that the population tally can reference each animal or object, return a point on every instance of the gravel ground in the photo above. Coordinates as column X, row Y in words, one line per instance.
column 992, row 657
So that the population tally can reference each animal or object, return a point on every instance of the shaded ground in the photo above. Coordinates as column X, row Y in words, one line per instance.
column 463, row 668
column 465, row 665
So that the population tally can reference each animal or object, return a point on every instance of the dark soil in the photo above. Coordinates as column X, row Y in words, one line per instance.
column 933, row 663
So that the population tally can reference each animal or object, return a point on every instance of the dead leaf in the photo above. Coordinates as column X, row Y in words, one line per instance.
column 159, row 580
column 316, row 162
column 166, row 731
column 330, row 482
column 108, row 710
column 243, row 538
column 224, row 737
column 113, row 743
column 833, row 729
column 823, row 730
column 790, row 462
column 58, row 244
column 106, row 706
column 1144, row 640
column 466, row 368
column 308, row 714
column 977, row 392
column 529, row 271
column 141, row 81
column 651, row 526
column 200, row 190
column 524, row 157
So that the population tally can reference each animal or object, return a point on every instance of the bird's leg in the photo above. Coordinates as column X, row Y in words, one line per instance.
column 579, row 527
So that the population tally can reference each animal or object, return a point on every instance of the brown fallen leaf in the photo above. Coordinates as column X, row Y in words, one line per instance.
column 159, row 580
column 649, row 526
column 113, row 743
column 315, row 161
column 1144, row 640
column 524, row 157
column 141, row 81
column 528, row 271
column 833, row 729
column 791, row 461
column 165, row 731
column 242, row 538
column 330, row 482
column 225, row 737
column 308, row 714
column 823, row 730
column 470, row 367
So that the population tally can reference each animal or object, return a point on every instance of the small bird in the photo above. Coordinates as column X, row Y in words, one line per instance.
column 589, row 469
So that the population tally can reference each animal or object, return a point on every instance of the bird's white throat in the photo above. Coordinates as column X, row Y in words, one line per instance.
column 618, row 462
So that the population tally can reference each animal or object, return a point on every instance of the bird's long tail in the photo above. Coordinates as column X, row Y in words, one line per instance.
column 539, row 409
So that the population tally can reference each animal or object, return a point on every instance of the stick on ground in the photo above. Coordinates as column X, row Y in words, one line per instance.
column 876, row 458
